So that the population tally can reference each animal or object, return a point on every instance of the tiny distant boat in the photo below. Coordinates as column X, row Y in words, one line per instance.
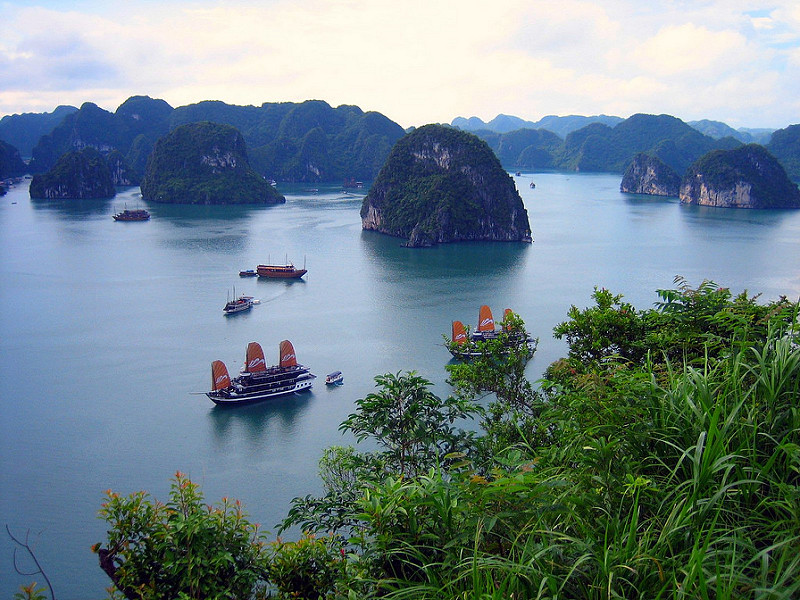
column 533, row 185
column 285, row 271
column 248, row 273
column 138, row 214
column 465, row 346
column 518, row 174
column 335, row 378
column 257, row 382
column 238, row 305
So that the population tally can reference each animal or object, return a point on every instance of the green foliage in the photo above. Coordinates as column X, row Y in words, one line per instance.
column 414, row 427
column 30, row 592
column 183, row 548
column 308, row 568
column 414, row 430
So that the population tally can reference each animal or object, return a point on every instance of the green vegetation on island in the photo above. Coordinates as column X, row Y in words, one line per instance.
column 204, row 163
column 785, row 146
column 78, row 174
column 288, row 141
column 659, row 459
column 607, row 148
column 440, row 184
column 745, row 177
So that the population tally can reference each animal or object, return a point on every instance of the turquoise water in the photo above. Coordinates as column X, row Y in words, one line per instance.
column 108, row 330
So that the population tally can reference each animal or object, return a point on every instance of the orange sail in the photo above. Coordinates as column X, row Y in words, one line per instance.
column 459, row 333
column 219, row 376
column 254, row 361
column 288, row 358
column 485, row 319
column 507, row 313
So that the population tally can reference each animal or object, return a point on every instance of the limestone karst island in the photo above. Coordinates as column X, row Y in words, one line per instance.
column 444, row 185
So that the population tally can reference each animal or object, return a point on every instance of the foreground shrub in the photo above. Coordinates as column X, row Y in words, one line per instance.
column 181, row 549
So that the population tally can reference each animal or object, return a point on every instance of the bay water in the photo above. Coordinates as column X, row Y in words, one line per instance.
column 108, row 330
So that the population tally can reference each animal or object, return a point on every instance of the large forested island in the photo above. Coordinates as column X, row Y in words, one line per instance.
column 443, row 185
column 76, row 175
column 308, row 141
column 745, row 177
column 204, row 163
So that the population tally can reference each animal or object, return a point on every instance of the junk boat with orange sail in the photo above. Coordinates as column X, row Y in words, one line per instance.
column 257, row 381
column 466, row 345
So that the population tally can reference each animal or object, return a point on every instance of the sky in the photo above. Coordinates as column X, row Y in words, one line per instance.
column 415, row 61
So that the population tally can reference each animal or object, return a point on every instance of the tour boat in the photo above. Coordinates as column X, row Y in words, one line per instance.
column 335, row 378
column 238, row 305
column 465, row 346
column 138, row 214
column 248, row 273
column 257, row 381
column 285, row 271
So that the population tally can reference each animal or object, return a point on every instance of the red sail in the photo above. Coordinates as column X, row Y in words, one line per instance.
column 288, row 358
column 254, row 360
column 459, row 333
column 485, row 319
column 219, row 376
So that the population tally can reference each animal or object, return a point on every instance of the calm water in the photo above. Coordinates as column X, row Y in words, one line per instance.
column 108, row 330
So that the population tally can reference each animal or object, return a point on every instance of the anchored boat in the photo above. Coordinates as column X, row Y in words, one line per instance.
column 464, row 345
column 138, row 214
column 258, row 382
column 335, row 378
column 284, row 271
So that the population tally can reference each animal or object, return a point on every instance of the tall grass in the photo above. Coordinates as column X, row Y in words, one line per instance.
column 689, row 488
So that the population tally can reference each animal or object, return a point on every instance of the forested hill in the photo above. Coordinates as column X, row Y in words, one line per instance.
column 307, row 141
column 23, row 131
column 598, row 147
column 440, row 185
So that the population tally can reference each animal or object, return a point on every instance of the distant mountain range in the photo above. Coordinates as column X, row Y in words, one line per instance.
column 308, row 141
column 314, row 142
column 563, row 126
column 600, row 147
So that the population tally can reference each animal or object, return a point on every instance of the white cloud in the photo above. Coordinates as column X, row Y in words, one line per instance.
column 415, row 61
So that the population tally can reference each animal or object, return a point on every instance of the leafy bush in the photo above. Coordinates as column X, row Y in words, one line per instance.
column 183, row 548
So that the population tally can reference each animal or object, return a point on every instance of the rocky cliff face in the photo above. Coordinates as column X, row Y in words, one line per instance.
column 121, row 173
column 79, row 174
column 443, row 185
column 648, row 174
column 745, row 177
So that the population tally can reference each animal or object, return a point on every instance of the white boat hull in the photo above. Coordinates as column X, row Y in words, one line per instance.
column 232, row 398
